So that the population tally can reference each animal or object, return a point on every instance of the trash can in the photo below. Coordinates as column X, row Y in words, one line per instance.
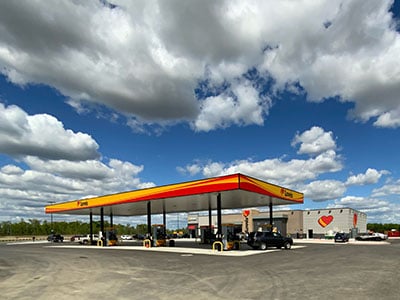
column 172, row 243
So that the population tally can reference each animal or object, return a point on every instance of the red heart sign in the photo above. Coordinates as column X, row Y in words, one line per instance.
column 325, row 220
column 355, row 220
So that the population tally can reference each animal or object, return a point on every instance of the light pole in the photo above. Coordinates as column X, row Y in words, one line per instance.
column 51, row 217
column 51, row 222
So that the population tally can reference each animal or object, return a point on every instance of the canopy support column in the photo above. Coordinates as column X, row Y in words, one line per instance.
column 149, row 218
column 111, row 220
column 209, row 216
column 164, row 217
column 91, row 227
column 219, row 217
column 271, row 217
column 102, row 224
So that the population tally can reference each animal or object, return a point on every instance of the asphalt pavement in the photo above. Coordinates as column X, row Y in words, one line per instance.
column 308, row 271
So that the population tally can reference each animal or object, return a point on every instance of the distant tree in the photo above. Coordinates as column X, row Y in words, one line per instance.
column 141, row 229
column 378, row 227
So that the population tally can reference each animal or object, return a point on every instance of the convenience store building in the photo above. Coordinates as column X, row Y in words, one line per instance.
column 315, row 223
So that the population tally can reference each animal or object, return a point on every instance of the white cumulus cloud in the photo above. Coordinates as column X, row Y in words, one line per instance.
column 371, row 176
column 147, row 59
column 43, row 136
column 242, row 107
column 322, row 190
column 278, row 171
column 391, row 188
column 58, row 165
column 314, row 141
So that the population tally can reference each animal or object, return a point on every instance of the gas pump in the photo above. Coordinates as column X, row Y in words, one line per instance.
column 108, row 237
column 230, row 238
column 111, row 237
column 101, row 240
column 158, row 235
column 207, row 235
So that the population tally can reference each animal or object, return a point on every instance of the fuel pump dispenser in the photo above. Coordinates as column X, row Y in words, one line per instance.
column 230, row 237
column 158, row 235
column 111, row 237
column 108, row 237
column 207, row 235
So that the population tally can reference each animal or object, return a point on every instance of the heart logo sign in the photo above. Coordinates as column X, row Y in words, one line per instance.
column 246, row 213
column 325, row 220
column 355, row 220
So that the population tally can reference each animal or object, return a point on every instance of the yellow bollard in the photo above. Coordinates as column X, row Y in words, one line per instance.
column 147, row 243
column 218, row 243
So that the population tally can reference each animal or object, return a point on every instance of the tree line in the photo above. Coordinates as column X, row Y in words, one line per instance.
column 378, row 227
column 35, row 227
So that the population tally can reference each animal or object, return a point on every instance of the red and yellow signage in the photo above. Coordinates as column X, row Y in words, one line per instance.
column 268, row 189
column 211, row 185
column 355, row 220
column 325, row 220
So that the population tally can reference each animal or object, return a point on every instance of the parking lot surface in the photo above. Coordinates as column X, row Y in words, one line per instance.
column 308, row 271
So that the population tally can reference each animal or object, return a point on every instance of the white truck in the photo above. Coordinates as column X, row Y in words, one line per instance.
column 85, row 239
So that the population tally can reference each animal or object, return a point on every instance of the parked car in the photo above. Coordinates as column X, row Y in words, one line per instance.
column 264, row 239
column 77, row 237
column 55, row 238
column 375, row 236
column 139, row 236
column 341, row 237
column 126, row 237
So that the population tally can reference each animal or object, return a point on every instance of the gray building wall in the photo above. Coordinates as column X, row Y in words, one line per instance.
column 321, row 222
column 295, row 223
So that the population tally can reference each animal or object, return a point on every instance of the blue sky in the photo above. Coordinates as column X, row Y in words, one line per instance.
column 98, row 99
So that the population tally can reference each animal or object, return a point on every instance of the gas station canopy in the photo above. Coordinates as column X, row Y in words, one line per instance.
column 236, row 191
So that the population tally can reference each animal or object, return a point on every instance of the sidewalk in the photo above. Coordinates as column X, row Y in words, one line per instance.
column 332, row 242
column 180, row 250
